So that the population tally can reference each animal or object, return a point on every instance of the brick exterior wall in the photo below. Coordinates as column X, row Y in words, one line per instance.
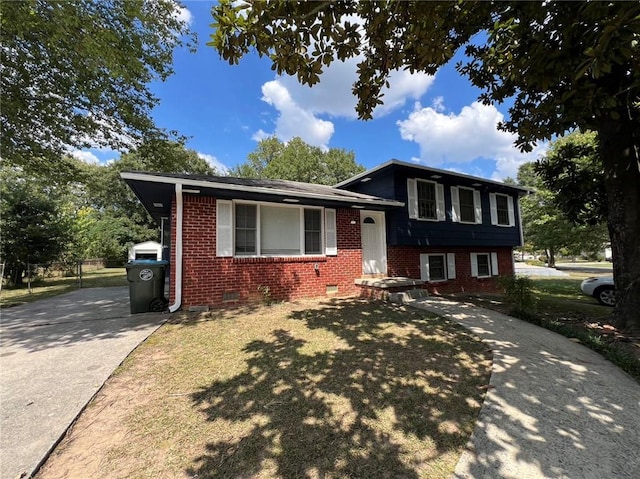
column 208, row 279
column 405, row 261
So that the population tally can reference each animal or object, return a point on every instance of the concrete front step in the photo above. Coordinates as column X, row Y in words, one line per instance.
column 403, row 297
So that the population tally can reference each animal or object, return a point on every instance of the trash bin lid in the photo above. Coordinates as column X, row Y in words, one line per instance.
column 147, row 262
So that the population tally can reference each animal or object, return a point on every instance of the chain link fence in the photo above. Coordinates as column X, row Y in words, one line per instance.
column 39, row 273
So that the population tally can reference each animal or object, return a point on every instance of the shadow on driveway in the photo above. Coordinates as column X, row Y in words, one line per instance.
column 55, row 354
column 83, row 315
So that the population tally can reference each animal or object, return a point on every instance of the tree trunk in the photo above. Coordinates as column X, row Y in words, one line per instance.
column 551, row 257
column 16, row 276
column 619, row 153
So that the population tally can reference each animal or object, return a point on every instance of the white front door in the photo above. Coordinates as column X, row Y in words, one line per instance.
column 374, row 242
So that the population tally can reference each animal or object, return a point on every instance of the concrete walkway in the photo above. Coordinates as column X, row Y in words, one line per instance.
column 54, row 356
column 555, row 409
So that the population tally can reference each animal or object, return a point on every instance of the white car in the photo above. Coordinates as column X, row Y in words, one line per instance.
column 600, row 288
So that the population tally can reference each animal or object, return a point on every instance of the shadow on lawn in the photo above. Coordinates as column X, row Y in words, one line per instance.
column 397, row 392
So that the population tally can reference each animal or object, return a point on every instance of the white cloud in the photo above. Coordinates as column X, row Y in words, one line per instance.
column 260, row 135
column 183, row 14
column 86, row 156
column 333, row 95
column 293, row 120
column 403, row 85
column 508, row 166
column 214, row 162
column 300, row 106
column 470, row 135
column 438, row 104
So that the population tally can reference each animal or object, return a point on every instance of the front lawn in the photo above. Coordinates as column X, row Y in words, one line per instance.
column 344, row 388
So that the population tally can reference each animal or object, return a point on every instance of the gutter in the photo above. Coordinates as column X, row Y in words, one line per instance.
column 178, row 250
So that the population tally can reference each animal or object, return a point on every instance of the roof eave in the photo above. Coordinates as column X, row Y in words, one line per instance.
column 356, row 178
column 152, row 178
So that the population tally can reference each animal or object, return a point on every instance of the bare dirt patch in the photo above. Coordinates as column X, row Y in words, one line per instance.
column 313, row 389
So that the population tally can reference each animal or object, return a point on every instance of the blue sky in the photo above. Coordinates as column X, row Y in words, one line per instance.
column 225, row 110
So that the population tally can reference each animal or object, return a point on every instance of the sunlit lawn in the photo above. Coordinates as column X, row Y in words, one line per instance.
column 563, row 297
column 317, row 389
column 556, row 297
column 54, row 286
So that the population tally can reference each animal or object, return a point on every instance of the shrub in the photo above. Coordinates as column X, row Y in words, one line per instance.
column 518, row 292
column 265, row 291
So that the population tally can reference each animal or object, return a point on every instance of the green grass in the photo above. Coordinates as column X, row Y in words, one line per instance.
column 54, row 286
column 335, row 389
column 562, row 298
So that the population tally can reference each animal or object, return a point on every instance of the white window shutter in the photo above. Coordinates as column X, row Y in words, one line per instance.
column 331, row 244
column 440, row 202
column 224, row 228
column 424, row 267
column 512, row 216
column 478, row 204
column 494, row 208
column 455, row 204
column 474, row 265
column 412, row 193
column 451, row 266
column 494, row 264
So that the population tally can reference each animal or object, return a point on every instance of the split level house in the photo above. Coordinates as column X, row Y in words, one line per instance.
column 394, row 226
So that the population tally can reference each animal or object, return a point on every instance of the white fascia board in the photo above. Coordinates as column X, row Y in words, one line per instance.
column 254, row 189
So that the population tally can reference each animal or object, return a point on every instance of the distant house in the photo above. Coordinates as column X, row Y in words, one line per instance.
column 397, row 225
column 146, row 250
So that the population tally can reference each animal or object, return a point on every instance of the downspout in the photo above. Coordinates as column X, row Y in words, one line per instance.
column 178, row 250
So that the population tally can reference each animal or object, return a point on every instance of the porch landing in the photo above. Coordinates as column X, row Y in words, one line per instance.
column 397, row 290
column 388, row 283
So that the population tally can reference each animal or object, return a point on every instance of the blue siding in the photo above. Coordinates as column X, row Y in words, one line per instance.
column 391, row 183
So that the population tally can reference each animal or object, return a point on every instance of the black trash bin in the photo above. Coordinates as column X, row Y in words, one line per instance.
column 146, row 285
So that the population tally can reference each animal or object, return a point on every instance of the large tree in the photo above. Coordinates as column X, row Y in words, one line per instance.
column 573, row 172
column 76, row 74
column 109, row 218
column 34, row 229
column 298, row 161
column 565, row 65
column 547, row 226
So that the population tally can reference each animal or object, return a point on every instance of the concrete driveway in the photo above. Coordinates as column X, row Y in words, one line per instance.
column 54, row 356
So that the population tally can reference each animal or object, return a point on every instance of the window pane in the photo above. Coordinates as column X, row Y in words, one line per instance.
column 312, row 244
column 483, row 265
column 245, row 229
column 279, row 230
column 246, row 216
column 436, row 268
column 427, row 200
column 467, row 207
column 503, row 209
column 311, row 220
